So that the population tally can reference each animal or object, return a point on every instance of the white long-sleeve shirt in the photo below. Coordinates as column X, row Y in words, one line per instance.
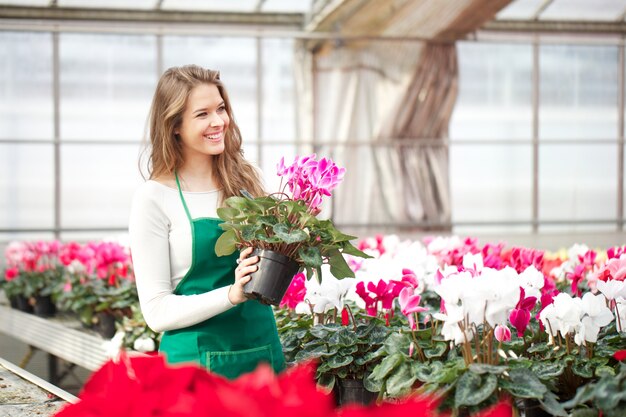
column 161, row 245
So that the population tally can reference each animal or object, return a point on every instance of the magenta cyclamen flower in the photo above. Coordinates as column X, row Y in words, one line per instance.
column 309, row 180
column 295, row 293
column 520, row 316
column 383, row 292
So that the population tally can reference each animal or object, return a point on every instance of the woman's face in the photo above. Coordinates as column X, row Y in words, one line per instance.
column 204, row 123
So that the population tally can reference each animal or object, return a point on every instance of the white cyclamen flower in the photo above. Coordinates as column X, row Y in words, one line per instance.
column 532, row 281
column 612, row 288
column 597, row 315
column 563, row 315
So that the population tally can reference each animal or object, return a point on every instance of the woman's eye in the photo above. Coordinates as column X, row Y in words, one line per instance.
column 221, row 108
column 201, row 114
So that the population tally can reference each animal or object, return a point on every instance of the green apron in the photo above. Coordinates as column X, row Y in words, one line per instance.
column 235, row 341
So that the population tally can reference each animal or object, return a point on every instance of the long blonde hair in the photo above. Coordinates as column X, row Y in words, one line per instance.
column 230, row 170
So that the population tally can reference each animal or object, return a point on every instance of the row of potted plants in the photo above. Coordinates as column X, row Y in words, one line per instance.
column 94, row 281
column 471, row 323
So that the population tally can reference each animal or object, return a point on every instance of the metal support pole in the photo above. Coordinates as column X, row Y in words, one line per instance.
column 535, row 137
column 53, row 370
column 259, row 100
column 620, row 136
column 56, row 94
column 159, row 55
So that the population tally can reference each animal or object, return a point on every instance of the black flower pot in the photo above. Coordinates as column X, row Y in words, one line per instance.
column 532, row 408
column 44, row 307
column 105, row 325
column 352, row 391
column 13, row 302
column 270, row 282
column 23, row 304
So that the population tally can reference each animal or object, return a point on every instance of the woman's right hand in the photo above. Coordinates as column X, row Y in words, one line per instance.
column 247, row 265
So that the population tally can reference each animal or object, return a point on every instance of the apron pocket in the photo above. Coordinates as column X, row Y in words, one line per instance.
column 231, row 364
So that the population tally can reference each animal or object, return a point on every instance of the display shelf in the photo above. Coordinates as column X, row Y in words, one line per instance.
column 62, row 337
column 24, row 394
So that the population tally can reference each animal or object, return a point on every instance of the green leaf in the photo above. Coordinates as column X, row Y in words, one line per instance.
column 387, row 366
column 584, row 394
column 400, row 381
column 322, row 331
column 311, row 256
column 436, row 351
column 583, row 368
column 481, row 368
column 398, row 343
column 473, row 389
column 552, row 406
column 372, row 384
column 227, row 213
column 427, row 372
column 547, row 370
column 604, row 370
column 240, row 203
column 343, row 337
column 338, row 361
column 246, row 194
column 538, row 348
column 226, row 243
column 248, row 232
column 338, row 266
column 349, row 249
column 315, row 352
column 289, row 236
column 327, row 380
column 523, row 384
column 268, row 220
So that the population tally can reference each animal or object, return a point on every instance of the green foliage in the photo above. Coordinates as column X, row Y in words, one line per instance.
column 287, row 227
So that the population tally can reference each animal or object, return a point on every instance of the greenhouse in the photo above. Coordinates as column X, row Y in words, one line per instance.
column 312, row 208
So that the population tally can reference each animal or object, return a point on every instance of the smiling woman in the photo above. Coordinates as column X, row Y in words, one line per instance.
column 184, row 289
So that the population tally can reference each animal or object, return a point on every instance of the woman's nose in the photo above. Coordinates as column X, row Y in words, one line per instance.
column 216, row 120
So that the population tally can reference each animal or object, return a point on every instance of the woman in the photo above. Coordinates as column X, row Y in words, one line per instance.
column 185, row 290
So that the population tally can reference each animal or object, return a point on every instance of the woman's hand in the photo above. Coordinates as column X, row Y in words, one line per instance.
column 242, row 276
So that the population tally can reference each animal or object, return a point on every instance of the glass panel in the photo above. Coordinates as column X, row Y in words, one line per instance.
column 491, row 183
column 520, row 9
column 271, row 156
column 26, row 186
column 211, row 5
column 237, row 70
column 577, row 182
column 112, row 235
column 494, row 100
column 26, row 86
column 98, row 184
column 583, row 10
column 286, row 6
column 107, row 82
column 578, row 95
column 279, row 113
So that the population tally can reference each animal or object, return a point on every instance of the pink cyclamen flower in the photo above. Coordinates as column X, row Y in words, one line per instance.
column 409, row 304
column 502, row 333
column 11, row 273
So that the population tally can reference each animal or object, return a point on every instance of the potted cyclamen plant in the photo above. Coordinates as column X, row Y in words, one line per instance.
column 284, row 230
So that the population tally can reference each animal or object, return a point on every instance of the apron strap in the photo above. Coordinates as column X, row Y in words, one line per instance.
column 182, row 198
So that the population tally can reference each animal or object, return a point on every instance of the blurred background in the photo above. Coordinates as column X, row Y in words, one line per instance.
column 502, row 119
column 497, row 119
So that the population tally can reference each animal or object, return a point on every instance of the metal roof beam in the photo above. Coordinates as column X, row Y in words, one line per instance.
column 553, row 26
column 151, row 16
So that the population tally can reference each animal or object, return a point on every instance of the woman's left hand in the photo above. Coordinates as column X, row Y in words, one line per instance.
column 247, row 265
